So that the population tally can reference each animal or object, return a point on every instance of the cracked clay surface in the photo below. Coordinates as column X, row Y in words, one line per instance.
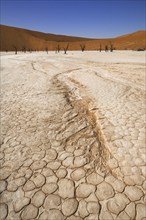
column 72, row 137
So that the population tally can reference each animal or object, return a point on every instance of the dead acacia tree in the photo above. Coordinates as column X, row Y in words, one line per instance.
column 24, row 49
column 82, row 47
column 100, row 48
column 58, row 48
column 30, row 50
column 106, row 48
column 15, row 48
column 66, row 48
column 111, row 47
column 47, row 50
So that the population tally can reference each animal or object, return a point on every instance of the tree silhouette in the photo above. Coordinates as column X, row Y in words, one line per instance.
column 82, row 47
column 106, row 48
column 24, row 49
column 111, row 47
column 58, row 48
column 15, row 48
column 30, row 50
column 66, row 48
column 47, row 50
column 100, row 48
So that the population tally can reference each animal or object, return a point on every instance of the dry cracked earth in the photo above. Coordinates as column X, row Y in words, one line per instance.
column 59, row 159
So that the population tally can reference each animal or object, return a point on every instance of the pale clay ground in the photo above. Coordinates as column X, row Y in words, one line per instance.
column 73, row 136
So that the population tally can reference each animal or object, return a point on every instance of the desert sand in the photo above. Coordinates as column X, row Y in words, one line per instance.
column 73, row 136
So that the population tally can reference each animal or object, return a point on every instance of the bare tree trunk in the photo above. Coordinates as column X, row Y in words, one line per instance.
column 47, row 50
column 24, row 49
column 106, row 48
column 15, row 48
column 100, row 48
column 111, row 47
column 58, row 48
column 82, row 47
column 66, row 48
column 30, row 50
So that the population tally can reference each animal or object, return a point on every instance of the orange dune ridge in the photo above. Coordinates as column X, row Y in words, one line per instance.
column 22, row 39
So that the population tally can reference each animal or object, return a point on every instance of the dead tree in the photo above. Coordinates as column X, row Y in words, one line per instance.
column 15, row 48
column 30, row 50
column 47, row 50
column 111, row 47
column 106, row 48
column 24, row 49
column 82, row 47
column 100, row 48
column 66, row 48
column 58, row 48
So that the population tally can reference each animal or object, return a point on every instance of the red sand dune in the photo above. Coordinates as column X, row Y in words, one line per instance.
column 22, row 38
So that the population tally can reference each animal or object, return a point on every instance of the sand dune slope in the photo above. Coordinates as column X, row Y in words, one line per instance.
column 21, row 38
